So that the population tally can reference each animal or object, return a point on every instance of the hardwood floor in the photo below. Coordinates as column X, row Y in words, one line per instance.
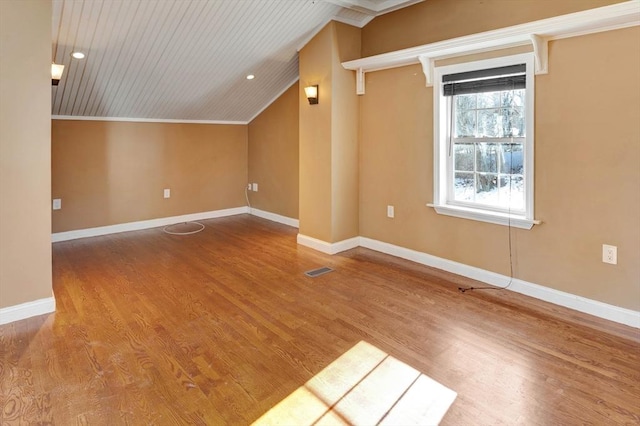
column 220, row 326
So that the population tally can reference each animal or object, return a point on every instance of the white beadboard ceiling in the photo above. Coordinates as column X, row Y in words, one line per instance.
column 187, row 60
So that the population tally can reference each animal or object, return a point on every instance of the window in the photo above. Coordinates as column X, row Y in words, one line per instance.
column 484, row 140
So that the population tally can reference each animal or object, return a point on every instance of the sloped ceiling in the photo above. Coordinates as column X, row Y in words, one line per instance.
column 187, row 60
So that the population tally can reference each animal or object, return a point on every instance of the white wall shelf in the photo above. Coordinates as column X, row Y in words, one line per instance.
column 536, row 34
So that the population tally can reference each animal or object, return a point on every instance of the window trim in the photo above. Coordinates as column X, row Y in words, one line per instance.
column 441, row 166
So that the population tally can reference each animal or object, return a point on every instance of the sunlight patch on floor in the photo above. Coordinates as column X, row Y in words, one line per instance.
column 364, row 386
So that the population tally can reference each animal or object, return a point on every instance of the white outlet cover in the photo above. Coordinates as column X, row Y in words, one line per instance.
column 390, row 211
column 254, row 187
column 167, row 193
column 610, row 254
column 57, row 203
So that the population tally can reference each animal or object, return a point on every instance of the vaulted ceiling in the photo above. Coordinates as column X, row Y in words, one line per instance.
column 187, row 59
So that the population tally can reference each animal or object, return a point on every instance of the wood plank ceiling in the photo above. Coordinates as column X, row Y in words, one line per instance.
column 187, row 59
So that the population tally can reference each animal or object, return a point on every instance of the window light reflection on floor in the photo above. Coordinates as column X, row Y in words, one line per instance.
column 364, row 386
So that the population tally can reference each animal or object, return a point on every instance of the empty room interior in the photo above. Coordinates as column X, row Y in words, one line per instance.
column 301, row 212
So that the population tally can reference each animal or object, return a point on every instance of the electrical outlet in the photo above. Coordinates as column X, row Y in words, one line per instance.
column 390, row 212
column 167, row 193
column 57, row 203
column 610, row 254
column 254, row 187
column 249, row 186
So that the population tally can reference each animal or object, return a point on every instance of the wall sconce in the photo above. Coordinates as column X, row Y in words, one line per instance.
column 312, row 94
column 56, row 73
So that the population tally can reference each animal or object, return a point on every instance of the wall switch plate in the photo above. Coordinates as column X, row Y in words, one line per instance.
column 610, row 254
column 254, row 187
column 57, row 203
column 167, row 193
column 390, row 211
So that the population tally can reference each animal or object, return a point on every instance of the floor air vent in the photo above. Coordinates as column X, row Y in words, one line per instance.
column 317, row 272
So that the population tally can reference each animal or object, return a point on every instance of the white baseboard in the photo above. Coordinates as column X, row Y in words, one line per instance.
column 568, row 300
column 275, row 217
column 328, row 248
column 144, row 224
column 27, row 310
column 578, row 303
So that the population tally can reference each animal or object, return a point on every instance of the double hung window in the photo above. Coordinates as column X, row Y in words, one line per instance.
column 484, row 140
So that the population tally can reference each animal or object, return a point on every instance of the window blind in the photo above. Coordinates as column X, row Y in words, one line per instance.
column 511, row 77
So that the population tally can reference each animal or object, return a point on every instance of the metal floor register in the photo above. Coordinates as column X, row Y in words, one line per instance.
column 317, row 272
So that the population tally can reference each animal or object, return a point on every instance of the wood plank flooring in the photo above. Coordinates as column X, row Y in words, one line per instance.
column 218, row 327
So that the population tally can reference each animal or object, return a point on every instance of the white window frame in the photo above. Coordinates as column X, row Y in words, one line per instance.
column 442, row 198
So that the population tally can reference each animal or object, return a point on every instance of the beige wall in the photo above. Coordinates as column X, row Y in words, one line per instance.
column 345, row 117
column 273, row 156
column 316, row 67
column 435, row 20
column 329, row 136
column 114, row 172
column 25, row 140
column 587, row 153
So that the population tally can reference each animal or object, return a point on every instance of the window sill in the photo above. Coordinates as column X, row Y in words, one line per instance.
column 485, row 216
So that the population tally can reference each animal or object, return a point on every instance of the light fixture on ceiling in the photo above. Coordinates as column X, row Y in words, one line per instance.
column 312, row 94
column 78, row 55
column 56, row 73
column 251, row 77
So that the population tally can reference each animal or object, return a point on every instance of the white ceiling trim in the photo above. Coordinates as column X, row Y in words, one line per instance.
column 374, row 7
column 345, row 20
column 158, row 120
column 145, row 120
column 536, row 33
column 313, row 33
column 360, row 23
column 275, row 98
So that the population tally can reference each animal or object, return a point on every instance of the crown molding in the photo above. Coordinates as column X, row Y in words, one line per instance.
column 145, row 120
column 374, row 8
